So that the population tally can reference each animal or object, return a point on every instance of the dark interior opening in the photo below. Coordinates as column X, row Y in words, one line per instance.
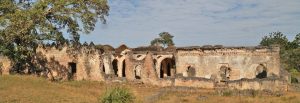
column 103, row 68
column 72, row 65
column 123, row 69
column 261, row 75
column 136, row 75
column 115, row 66
column 262, row 71
column 166, row 66
column 73, row 69
column 168, row 69
column 161, row 72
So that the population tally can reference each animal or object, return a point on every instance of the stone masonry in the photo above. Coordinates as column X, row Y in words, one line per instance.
column 210, row 67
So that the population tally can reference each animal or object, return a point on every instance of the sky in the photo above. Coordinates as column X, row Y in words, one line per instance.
column 196, row 22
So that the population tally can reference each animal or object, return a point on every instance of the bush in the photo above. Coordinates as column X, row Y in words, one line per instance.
column 117, row 95
column 294, row 79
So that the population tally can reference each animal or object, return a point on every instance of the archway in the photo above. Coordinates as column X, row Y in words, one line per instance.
column 191, row 71
column 167, row 67
column 115, row 66
column 261, row 71
column 225, row 73
column 137, row 71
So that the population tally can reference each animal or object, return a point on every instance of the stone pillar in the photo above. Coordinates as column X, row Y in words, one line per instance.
column 129, row 68
column 148, row 73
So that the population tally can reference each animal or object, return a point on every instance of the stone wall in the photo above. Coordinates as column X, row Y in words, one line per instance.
column 190, row 67
column 242, row 62
column 194, row 82
column 259, row 84
column 86, row 61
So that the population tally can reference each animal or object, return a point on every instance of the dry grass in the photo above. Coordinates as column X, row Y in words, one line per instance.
column 29, row 89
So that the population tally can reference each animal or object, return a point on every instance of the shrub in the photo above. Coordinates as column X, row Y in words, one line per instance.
column 117, row 95
column 294, row 79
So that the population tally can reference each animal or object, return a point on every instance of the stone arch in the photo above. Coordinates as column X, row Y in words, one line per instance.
column 191, row 71
column 261, row 71
column 137, row 71
column 225, row 73
column 167, row 67
column 115, row 66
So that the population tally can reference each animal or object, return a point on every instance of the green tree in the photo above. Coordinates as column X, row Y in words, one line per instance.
column 25, row 23
column 289, row 50
column 165, row 39
column 275, row 38
column 296, row 41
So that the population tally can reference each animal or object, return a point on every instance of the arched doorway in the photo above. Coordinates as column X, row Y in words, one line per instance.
column 261, row 71
column 137, row 71
column 115, row 66
column 191, row 71
column 167, row 67
column 225, row 73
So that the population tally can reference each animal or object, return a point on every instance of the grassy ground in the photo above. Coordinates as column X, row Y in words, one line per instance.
column 29, row 89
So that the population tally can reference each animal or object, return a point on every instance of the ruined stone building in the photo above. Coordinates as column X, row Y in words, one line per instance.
column 204, row 67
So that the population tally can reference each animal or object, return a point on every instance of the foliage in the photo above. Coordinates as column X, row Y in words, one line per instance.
column 26, row 23
column 165, row 38
column 275, row 38
column 294, row 80
column 289, row 50
column 117, row 95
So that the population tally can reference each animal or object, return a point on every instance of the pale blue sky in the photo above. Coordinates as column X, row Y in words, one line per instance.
column 196, row 22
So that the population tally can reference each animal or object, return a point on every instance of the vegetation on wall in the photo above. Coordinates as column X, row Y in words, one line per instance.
column 289, row 50
column 26, row 23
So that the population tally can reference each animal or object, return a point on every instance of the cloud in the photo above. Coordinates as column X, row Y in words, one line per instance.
column 196, row 22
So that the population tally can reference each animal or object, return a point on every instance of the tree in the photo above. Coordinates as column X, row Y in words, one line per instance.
column 289, row 50
column 275, row 38
column 25, row 23
column 165, row 39
column 296, row 41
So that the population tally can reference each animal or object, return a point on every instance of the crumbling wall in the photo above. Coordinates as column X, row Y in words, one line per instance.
column 161, row 64
column 130, row 63
column 148, row 73
column 259, row 84
column 56, row 61
column 107, row 59
column 194, row 82
column 241, row 61
column 87, row 61
column 89, row 67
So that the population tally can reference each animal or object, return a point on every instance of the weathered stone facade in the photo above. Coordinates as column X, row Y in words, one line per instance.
column 204, row 67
